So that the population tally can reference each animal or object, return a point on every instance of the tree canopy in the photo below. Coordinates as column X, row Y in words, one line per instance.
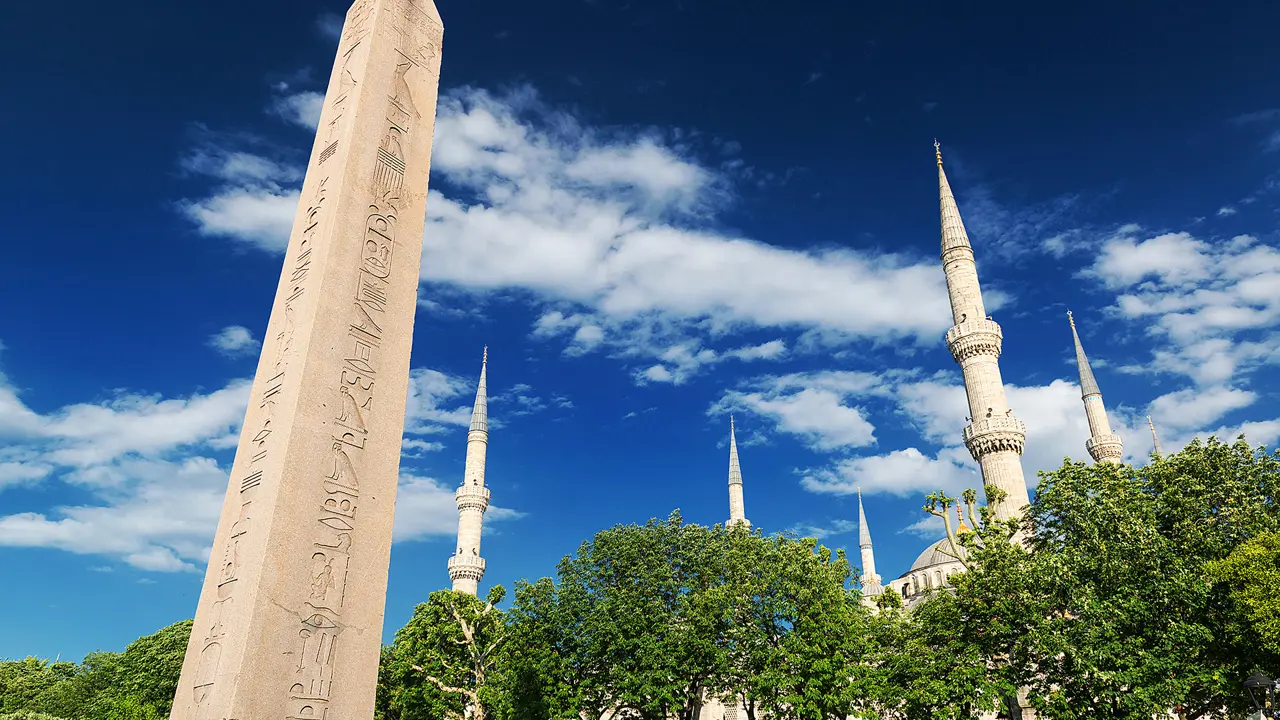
column 1124, row 593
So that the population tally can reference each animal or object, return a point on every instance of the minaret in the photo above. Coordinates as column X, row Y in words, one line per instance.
column 1103, row 445
column 1155, row 441
column 994, row 436
column 870, row 579
column 467, row 567
column 737, row 513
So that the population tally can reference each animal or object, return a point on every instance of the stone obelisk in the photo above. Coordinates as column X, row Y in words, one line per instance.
column 289, row 623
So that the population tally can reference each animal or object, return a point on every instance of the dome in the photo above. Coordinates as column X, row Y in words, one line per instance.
column 939, row 553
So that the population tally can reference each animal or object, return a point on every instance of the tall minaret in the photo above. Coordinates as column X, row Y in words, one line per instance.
column 467, row 567
column 1155, row 441
column 737, row 513
column 994, row 436
column 870, row 579
column 1103, row 445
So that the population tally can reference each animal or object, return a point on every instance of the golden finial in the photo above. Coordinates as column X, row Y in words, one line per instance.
column 937, row 150
column 730, row 423
column 960, row 515
column 485, row 361
column 1071, row 320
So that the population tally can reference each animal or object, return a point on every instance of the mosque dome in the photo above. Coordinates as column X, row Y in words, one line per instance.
column 939, row 553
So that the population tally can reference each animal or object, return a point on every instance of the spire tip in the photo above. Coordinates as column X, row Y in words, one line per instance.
column 937, row 151
column 485, row 359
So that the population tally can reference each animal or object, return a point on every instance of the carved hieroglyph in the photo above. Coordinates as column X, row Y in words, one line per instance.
column 289, row 624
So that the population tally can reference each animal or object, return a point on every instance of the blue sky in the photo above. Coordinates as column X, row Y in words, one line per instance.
column 655, row 215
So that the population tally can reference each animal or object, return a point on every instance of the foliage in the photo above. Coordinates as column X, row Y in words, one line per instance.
column 442, row 660
column 1251, row 574
column 1124, row 593
column 137, row 684
column 1112, row 613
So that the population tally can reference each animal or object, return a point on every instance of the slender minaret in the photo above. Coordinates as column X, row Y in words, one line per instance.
column 870, row 579
column 467, row 567
column 994, row 436
column 737, row 513
column 1155, row 441
column 1103, row 445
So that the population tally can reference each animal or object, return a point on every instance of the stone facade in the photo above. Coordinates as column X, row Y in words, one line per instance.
column 737, row 511
column 994, row 436
column 466, row 567
column 1102, row 445
column 289, row 621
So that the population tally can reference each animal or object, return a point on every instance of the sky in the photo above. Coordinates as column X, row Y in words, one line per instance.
column 655, row 215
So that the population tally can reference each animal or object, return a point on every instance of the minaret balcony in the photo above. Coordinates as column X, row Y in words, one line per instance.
column 995, row 434
column 1104, row 447
column 472, row 496
column 981, row 336
column 744, row 523
column 466, row 566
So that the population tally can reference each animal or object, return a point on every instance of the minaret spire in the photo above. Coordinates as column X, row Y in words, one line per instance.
column 466, row 568
column 737, row 512
column 1103, row 445
column 870, row 579
column 994, row 437
column 1155, row 441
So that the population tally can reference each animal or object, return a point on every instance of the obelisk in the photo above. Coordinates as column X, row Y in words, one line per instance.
column 289, row 623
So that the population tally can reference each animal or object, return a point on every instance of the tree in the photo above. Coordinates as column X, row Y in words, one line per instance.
column 637, row 605
column 796, row 641
column 1113, row 612
column 149, row 667
column 1251, row 576
column 442, row 661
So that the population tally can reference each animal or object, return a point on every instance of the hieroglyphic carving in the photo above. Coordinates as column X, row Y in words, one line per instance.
column 421, row 36
column 259, row 445
column 335, row 532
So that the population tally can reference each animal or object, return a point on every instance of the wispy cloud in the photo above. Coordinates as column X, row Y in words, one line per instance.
column 234, row 341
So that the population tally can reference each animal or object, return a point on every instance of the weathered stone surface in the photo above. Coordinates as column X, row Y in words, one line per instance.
column 994, row 436
column 289, row 623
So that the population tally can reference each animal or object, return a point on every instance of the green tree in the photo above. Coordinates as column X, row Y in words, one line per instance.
column 149, row 667
column 797, row 640
column 636, row 604
column 1251, row 576
column 443, row 660
column 1113, row 613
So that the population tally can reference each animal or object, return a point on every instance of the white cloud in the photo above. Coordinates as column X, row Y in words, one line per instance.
column 18, row 473
column 610, row 225
column 254, row 200
column 429, row 390
column 817, row 407
column 900, row 472
column 425, row 508
column 930, row 527
column 820, row 408
column 412, row 447
column 155, row 495
column 300, row 108
column 1194, row 408
column 1226, row 211
column 234, row 341
column 825, row 530
column 163, row 521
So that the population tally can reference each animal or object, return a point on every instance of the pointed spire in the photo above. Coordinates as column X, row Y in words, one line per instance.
column 953, row 232
column 480, row 414
column 735, row 470
column 864, row 532
column 1155, row 441
column 1088, row 385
